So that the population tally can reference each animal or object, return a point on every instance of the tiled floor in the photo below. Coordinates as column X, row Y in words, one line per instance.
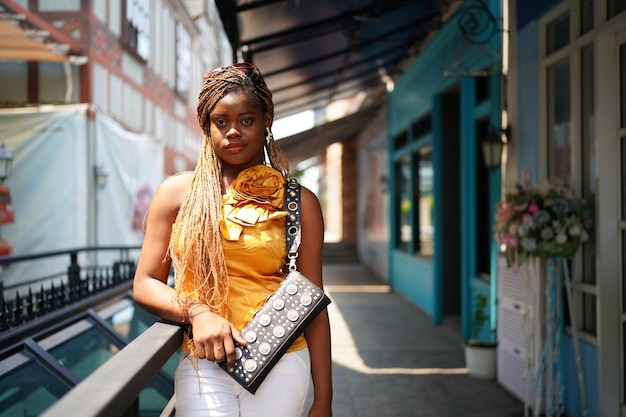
column 391, row 361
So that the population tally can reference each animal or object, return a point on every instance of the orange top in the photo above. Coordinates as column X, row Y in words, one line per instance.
column 253, row 238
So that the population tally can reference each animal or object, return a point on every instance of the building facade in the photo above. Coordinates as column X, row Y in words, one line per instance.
column 568, row 67
column 95, row 128
column 551, row 82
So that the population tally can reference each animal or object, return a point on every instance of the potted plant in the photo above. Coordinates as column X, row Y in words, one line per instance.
column 480, row 354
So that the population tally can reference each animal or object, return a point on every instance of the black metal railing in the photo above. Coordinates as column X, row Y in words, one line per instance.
column 78, row 283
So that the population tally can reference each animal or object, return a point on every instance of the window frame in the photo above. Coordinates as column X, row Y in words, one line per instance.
column 585, row 290
column 409, row 147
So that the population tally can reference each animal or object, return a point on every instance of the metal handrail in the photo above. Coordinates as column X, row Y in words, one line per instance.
column 7, row 259
column 113, row 389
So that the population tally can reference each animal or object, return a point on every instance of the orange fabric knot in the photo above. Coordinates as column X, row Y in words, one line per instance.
column 256, row 195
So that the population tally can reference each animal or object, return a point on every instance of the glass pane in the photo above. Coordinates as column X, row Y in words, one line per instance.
column 84, row 352
column 426, row 202
column 623, row 356
column 589, row 314
column 615, row 7
column 622, row 83
column 588, row 155
column 586, row 16
column 131, row 321
column 404, row 231
column 623, row 272
column 28, row 388
column 421, row 127
column 154, row 398
column 482, row 89
column 484, row 219
column 558, row 33
column 401, row 140
column 623, row 174
column 559, row 119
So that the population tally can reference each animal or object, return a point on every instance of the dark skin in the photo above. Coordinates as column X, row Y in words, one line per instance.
column 237, row 131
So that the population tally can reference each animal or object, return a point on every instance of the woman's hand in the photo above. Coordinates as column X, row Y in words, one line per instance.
column 214, row 336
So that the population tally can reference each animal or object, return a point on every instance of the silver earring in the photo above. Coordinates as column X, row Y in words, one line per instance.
column 266, row 151
column 269, row 136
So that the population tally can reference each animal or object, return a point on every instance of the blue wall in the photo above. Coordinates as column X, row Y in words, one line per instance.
column 414, row 279
column 589, row 360
column 528, row 10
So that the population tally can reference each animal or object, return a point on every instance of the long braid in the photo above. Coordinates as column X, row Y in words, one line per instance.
column 196, row 245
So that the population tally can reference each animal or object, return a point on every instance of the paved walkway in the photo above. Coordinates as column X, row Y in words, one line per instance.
column 389, row 360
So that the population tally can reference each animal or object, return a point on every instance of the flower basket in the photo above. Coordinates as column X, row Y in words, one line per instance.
column 545, row 221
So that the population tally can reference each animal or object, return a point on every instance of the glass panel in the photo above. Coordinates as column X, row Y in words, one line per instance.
column 154, row 398
column 623, row 356
column 401, row 140
column 586, row 16
column 623, row 272
column 558, row 33
column 615, row 7
column 622, row 83
column 131, row 321
column 588, row 155
column 623, row 174
column 84, row 352
column 421, row 127
column 426, row 202
column 559, row 141
column 404, row 231
column 482, row 89
column 589, row 314
column 484, row 222
column 28, row 388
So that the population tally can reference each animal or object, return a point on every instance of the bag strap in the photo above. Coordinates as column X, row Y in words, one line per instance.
column 292, row 231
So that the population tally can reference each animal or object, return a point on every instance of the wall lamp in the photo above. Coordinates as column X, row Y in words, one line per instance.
column 492, row 146
column 101, row 175
column 6, row 161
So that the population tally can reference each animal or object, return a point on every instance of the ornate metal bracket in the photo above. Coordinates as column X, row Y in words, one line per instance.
column 476, row 22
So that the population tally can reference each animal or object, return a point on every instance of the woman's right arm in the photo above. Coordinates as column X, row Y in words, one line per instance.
column 212, row 335
column 150, row 288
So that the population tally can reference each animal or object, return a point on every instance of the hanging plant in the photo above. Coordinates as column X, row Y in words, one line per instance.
column 545, row 221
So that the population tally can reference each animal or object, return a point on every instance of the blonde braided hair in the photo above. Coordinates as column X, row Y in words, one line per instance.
column 195, row 244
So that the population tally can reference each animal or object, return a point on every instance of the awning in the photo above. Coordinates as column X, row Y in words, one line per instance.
column 26, row 37
column 312, row 142
column 313, row 52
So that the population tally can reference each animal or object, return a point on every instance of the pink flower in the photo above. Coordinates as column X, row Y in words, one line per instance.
column 510, row 241
column 532, row 209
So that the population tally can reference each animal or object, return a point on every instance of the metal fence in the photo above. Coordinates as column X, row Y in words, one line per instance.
column 78, row 285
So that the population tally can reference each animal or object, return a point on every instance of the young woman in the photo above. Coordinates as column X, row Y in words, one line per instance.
column 222, row 229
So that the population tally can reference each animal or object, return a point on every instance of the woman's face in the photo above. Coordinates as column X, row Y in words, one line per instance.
column 237, row 128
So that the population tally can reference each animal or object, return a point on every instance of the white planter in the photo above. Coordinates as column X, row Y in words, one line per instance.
column 481, row 361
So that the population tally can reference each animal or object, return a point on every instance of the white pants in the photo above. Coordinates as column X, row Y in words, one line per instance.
column 211, row 392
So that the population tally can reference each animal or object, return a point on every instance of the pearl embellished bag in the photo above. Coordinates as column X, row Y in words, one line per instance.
column 284, row 315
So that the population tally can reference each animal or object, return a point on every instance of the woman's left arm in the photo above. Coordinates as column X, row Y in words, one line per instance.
column 317, row 334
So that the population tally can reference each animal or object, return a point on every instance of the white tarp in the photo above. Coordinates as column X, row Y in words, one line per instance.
column 135, row 165
column 48, row 186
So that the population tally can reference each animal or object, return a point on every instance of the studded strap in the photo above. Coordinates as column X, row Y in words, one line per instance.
column 292, row 232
